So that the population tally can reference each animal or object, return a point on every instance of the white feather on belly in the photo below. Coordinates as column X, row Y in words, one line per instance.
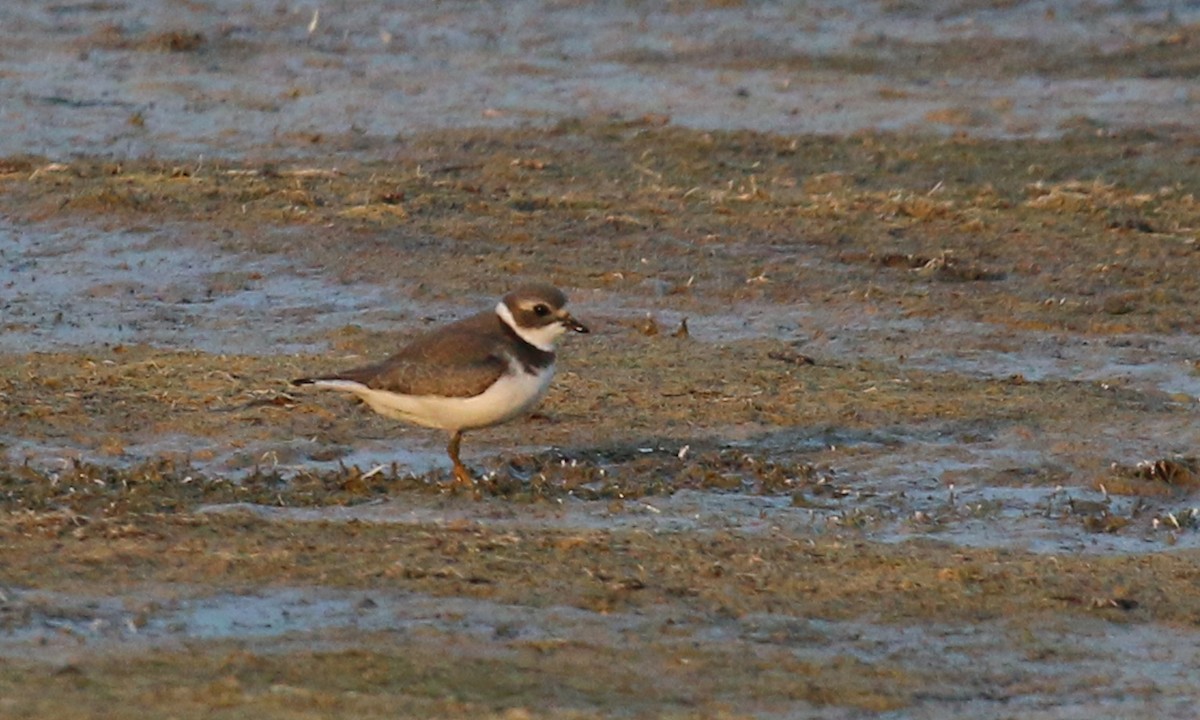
column 516, row 393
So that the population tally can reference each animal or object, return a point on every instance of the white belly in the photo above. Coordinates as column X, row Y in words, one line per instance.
column 511, row 396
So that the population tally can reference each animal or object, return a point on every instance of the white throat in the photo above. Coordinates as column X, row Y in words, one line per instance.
column 541, row 338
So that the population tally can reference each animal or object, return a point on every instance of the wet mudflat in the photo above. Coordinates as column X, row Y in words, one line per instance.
column 899, row 421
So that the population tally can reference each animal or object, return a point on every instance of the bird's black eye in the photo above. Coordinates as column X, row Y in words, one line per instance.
column 541, row 310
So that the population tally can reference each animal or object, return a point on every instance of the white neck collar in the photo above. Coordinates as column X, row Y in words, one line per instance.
column 541, row 338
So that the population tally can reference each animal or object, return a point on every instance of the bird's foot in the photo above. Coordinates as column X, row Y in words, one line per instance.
column 466, row 483
column 463, row 476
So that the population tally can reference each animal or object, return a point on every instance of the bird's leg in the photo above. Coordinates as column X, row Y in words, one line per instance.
column 461, row 473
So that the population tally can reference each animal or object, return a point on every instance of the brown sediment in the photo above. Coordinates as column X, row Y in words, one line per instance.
column 933, row 230
column 907, row 395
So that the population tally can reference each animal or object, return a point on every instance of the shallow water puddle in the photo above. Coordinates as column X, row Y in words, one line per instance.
column 1149, row 363
column 989, row 669
column 832, row 334
column 1035, row 519
column 78, row 288
column 353, row 75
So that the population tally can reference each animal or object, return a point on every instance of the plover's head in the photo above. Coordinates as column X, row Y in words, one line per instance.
column 537, row 313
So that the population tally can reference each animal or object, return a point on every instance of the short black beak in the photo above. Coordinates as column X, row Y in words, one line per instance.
column 571, row 323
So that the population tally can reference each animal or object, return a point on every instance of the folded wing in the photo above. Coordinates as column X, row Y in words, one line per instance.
column 456, row 362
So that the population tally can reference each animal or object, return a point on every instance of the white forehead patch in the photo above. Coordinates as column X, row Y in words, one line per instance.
column 541, row 338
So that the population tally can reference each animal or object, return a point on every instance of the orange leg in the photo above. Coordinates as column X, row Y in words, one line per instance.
column 461, row 473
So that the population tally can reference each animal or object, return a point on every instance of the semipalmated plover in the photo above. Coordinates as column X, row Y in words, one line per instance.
column 480, row 371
